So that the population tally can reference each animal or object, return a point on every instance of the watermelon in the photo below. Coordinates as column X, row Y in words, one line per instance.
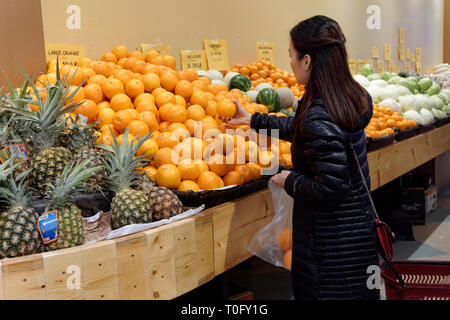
column 270, row 99
column 240, row 82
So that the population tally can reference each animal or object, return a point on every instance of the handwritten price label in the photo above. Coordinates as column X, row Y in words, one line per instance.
column 380, row 66
column 375, row 52
column 387, row 51
column 68, row 54
column 264, row 51
column 216, row 54
column 193, row 59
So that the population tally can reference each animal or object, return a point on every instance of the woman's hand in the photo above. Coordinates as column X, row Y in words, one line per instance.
column 280, row 179
column 240, row 118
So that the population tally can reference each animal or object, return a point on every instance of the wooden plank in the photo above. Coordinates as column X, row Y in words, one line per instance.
column 100, row 276
column 372, row 159
column 24, row 278
column 63, row 274
column 387, row 165
column 205, row 247
column 132, row 262
column 404, row 157
column 161, row 263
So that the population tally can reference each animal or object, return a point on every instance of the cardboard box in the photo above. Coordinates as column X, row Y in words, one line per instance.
column 418, row 202
column 22, row 39
column 430, row 199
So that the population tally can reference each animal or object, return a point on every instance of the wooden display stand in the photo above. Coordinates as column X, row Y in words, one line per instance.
column 168, row 261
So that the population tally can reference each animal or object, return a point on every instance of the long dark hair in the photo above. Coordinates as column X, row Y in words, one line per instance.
column 330, row 80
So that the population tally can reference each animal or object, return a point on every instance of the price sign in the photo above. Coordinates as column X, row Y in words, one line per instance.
column 68, row 54
column 408, row 54
column 352, row 65
column 419, row 54
column 401, row 52
column 401, row 36
column 387, row 51
column 419, row 67
column 216, row 54
column 408, row 65
column 264, row 51
column 380, row 66
column 193, row 59
column 375, row 52
column 392, row 66
column 413, row 57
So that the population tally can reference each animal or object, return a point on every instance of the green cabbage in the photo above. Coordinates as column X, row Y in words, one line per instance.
column 437, row 102
column 446, row 109
column 434, row 89
column 425, row 84
column 443, row 97
column 366, row 70
column 394, row 79
column 374, row 76
column 407, row 83
column 386, row 76
column 438, row 114
column 427, row 115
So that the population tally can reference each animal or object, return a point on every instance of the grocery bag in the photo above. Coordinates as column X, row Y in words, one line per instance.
column 273, row 243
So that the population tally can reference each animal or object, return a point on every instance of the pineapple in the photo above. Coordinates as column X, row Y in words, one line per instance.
column 19, row 233
column 59, row 197
column 80, row 140
column 164, row 202
column 43, row 130
column 129, row 205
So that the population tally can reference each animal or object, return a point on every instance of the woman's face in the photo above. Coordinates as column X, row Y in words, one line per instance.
column 302, row 67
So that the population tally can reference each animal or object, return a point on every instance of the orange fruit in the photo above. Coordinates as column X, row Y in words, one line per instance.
column 169, row 80
column 150, row 55
column 144, row 97
column 164, row 126
column 129, row 63
column 105, row 116
column 209, row 125
column 191, row 126
column 211, row 109
column 285, row 160
column 77, row 98
column 147, row 106
column 255, row 170
column 103, row 105
column 150, row 171
column 148, row 148
column 226, row 108
column 245, row 171
column 189, row 75
column 120, row 101
column 75, row 77
column 123, row 75
column 165, row 111
column 168, row 176
column 188, row 169
column 108, row 129
column 120, row 52
column 287, row 259
column 97, row 79
column 81, row 63
column 266, row 158
column 89, row 109
column 209, row 180
column 138, row 128
column 138, row 67
column 251, row 151
column 156, row 92
column 179, row 100
column 233, row 178
column 103, row 68
column 129, row 139
column 93, row 92
column 195, row 112
column 167, row 140
column 285, row 239
column 177, row 114
column 134, row 87
column 151, row 81
column 109, row 57
column 184, row 88
column 149, row 118
column 121, row 120
column 165, row 98
column 188, row 185
column 165, row 156
column 217, row 164
column 202, row 165
column 87, row 73
column 199, row 97
column 170, row 62
column 113, row 87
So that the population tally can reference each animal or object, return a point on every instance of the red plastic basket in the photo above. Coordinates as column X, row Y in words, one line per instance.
column 425, row 280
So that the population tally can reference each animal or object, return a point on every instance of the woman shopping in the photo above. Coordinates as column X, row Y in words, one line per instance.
column 334, row 241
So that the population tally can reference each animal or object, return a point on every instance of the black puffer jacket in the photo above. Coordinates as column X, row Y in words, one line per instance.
column 334, row 240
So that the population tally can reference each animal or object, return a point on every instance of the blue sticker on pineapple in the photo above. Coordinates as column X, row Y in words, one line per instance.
column 48, row 226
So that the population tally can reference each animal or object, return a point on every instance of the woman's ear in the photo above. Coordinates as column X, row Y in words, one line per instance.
column 307, row 62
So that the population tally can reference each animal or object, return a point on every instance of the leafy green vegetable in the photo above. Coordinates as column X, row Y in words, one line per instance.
column 425, row 84
column 434, row 89
column 374, row 76
column 366, row 70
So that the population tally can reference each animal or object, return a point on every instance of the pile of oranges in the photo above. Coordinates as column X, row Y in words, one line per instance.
column 265, row 72
column 145, row 93
column 384, row 121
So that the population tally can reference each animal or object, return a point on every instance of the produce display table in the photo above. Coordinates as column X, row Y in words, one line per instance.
column 168, row 261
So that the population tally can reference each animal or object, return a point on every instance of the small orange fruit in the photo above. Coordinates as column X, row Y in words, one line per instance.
column 165, row 156
column 209, row 180
column 167, row 140
column 177, row 114
column 150, row 171
column 77, row 98
column 233, row 178
column 113, row 87
column 217, row 164
column 195, row 112
column 148, row 148
column 255, row 170
column 151, row 81
column 169, row 80
column 149, row 118
column 144, row 97
column 188, row 185
column 245, row 171
column 89, row 109
column 134, row 88
column 105, row 116
column 97, row 79
column 199, row 97
column 188, row 169
column 226, row 108
column 285, row 239
column 165, row 98
column 287, row 259
column 120, row 52
column 138, row 128
column 94, row 92
column 168, row 175
column 109, row 57
column 184, row 88
column 121, row 101
column 179, row 100
column 121, row 120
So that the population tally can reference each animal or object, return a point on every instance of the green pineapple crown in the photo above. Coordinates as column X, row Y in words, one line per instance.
column 7, row 168
column 16, row 194
column 121, row 162
column 80, row 135
column 71, row 183
column 45, row 126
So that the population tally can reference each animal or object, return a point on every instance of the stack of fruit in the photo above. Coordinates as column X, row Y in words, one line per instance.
column 145, row 93
column 384, row 121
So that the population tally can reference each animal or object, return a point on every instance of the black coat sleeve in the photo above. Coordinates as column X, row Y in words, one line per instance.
column 325, row 150
column 284, row 125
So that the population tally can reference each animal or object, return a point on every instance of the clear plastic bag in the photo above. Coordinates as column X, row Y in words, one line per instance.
column 273, row 243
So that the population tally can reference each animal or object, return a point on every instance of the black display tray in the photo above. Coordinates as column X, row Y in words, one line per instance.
column 406, row 134
column 440, row 122
column 427, row 128
column 373, row 144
